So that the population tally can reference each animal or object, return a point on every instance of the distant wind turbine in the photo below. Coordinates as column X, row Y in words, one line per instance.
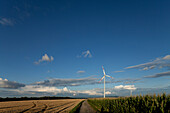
column 131, row 88
column 131, row 92
column 104, row 79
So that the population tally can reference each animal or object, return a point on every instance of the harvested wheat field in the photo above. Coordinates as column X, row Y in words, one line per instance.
column 46, row 106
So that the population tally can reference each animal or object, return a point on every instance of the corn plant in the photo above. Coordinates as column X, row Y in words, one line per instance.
column 136, row 104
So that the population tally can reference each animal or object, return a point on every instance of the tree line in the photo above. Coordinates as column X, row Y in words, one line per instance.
column 32, row 98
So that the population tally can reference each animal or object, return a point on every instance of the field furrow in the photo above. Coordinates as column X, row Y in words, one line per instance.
column 39, row 106
column 57, row 106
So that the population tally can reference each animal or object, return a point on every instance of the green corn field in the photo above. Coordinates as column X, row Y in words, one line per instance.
column 136, row 104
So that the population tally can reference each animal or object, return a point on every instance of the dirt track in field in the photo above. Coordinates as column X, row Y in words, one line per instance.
column 86, row 108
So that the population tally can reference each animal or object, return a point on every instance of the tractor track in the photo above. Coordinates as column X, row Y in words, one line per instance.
column 13, row 106
column 40, row 107
column 64, row 108
column 43, row 110
column 58, row 106
column 29, row 108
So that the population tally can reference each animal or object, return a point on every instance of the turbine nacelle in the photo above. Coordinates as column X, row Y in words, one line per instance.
column 104, row 75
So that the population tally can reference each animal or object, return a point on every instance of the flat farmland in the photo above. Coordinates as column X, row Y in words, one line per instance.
column 40, row 106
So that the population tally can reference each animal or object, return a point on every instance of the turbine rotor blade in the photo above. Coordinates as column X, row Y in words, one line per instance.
column 103, row 70
column 101, row 79
column 109, row 76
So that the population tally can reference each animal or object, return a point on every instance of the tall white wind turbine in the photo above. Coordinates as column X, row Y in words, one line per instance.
column 104, row 79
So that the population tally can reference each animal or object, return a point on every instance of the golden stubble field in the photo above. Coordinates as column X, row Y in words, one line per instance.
column 41, row 106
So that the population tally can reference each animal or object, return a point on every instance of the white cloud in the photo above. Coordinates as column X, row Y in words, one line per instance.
column 167, row 57
column 90, row 92
column 85, row 54
column 45, row 58
column 6, row 21
column 80, row 72
column 86, row 93
column 145, row 68
column 152, row 67
column 119, row 87
column 10, row 84
column 65, row 89
column 129, row 87
column 158, row 63
column 47, row 89
column 54, row 90
column 108, row 93
column 74, row 94
column 52, row 58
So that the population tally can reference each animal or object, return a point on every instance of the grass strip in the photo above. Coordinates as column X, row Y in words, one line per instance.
column 76, row 109
column 93, row 106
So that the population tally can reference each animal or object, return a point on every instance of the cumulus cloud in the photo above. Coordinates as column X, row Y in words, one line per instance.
column 6, row 21
column 119, row 87
column 45, row 58
column 126, row 87
column 90, row 92
column 85, row 54
column 158, row 75
column 167, row 57
column 145, row 68
column 98, row 92
column 108, row 93
column 80, row 72
column 129, row 87
column 74, row 94
column 55, row 90
column 10, row 84
column 163, row 62
column 47, row 89
column 67, row 82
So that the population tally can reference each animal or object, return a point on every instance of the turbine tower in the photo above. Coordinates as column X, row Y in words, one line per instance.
column 131, row 92
column 104, row 79
column 130, row 88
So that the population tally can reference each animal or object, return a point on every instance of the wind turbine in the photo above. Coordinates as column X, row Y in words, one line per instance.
column 104, row 79
column 131, row 88
column 131, row 92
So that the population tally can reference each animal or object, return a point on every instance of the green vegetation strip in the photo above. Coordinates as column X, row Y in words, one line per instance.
column 76, row 109
column 137, row 104
column 93, row 106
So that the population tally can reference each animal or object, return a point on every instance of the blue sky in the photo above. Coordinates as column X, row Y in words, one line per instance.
column 48, row 43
